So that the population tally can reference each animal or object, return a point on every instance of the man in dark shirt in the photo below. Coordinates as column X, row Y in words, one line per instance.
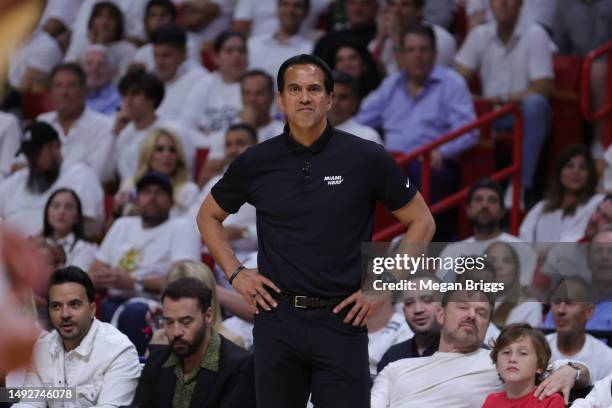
column 315, row 190
column 420, row 309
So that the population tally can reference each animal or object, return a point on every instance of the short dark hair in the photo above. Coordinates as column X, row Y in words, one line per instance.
column 343, row 78
column 488, row 184
column 191, row 288
column 114, row 11
column 418, row 3
column 304, row 59
column 226, row 35
column 73, row 274
column 140, row 81
column 245, row 128
column 171, row 35
column 258, row 72
column 70, row 67
column 77, row 228
column 422, row 29
column 516, row 331
column 167, row 4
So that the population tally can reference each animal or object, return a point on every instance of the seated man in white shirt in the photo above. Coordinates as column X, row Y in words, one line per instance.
column 268, row 51
column 572, row 307
column 81, row 352
column 177, row 72
column 139, row 251
column 460, row 374
column 486, row 212
column 514, row 60
column 396, row 17
column 23, row 195
column 84, row 133
column 344, row 107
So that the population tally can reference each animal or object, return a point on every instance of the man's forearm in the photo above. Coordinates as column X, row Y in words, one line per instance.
column 218, row 246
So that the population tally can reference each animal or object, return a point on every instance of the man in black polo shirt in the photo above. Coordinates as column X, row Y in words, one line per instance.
column 315, row 190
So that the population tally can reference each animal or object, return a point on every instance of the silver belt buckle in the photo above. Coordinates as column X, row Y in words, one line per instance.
column 296, row 301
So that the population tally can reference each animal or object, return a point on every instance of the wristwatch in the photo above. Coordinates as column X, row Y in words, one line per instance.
column 575, row 367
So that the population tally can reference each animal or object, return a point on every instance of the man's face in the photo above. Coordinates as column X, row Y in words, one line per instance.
column 256, row 93
column 67, row 93
column 291, row 14
column 153, row 204
column 167, row 60
column 406, row 10
column 361, row 13
column 418, row 56
column 97, row 68
column 506, row 11
column 186, row 326
column 485, row 208
column 137, row 105
column 304, row 100
column 157, row 18
column 232, row 58
column 421, row 309
column 570, row 308
column 70, row 311
column 600, row 260
column 344, row 104
column 464, row 322
column 236, row 142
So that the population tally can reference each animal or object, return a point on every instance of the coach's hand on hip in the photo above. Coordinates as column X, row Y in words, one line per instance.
column 362, row 308
column 251, row 285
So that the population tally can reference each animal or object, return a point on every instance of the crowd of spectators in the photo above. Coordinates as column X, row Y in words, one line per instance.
column 152, row 100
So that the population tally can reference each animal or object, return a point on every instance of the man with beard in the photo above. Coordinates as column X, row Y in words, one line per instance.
column 138, row 251
column 23, row 195
column 199, row 368
column 420, row 309
column 460, row 374
column 485, row 210
column 81, row 353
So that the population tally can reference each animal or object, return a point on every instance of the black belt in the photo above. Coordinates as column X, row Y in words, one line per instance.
column 305, row 302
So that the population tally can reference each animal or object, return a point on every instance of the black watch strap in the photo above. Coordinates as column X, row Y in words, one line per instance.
column 235, row 273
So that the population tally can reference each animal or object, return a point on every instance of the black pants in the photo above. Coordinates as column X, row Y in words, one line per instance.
column 303, row 351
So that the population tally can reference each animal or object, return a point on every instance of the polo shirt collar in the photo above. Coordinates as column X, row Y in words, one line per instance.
column 519, row 29
column 315, row 148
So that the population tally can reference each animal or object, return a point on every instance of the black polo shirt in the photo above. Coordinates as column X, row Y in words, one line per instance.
column 315, row 206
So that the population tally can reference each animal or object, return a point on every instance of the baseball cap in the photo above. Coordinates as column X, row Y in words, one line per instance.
column 35, row 136
column 157, row 178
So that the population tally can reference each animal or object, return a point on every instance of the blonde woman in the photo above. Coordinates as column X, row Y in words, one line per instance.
column 162, row 151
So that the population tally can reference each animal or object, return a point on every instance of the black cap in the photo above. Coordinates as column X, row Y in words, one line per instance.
column 35, row 136
column 486, row 183
column 155, row 177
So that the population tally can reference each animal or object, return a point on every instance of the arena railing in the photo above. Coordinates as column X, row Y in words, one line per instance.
column 512, row 171
column 605, row 112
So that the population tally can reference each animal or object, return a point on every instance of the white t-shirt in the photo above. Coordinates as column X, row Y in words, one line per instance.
column 272, row 129
column 267, row 54
column 596, row 354
column 89, row 140
column 507, row 68
column 41, row 53
column 62, row 10
column 540, row 11
column 396, row 331
column 442, row 380
column 212, row 104
column 529, row 311
column 446, row 47
column 264, row 19
column 24, row 210
column 149, row 252
column 470, row 246
column 539, row 226
column 80, row 253
column 188, row 74
column 362, row 131
column 599, row 397
column 10, row 140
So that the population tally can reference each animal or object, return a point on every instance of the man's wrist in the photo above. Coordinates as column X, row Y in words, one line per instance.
column 235, row 273
column 576, row 368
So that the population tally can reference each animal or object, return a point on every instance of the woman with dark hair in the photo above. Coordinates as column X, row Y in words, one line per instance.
column 63, row 226
column 570, row 200
column 106, row 27
column 353, row 59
